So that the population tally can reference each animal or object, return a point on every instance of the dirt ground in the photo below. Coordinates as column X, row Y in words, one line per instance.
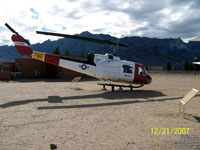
column 35, row 113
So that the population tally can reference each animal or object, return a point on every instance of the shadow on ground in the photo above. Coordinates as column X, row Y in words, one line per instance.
column 145, row 95
column 192, row 118
column 118, row 95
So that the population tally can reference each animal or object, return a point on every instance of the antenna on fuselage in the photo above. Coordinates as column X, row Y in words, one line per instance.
column 116, row 45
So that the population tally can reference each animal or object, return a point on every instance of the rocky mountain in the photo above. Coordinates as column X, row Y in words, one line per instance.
column 172, row 47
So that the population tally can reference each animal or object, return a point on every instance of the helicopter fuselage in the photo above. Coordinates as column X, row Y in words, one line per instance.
column 109, row 67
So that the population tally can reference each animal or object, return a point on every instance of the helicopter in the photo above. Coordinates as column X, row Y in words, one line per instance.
column 108, row 67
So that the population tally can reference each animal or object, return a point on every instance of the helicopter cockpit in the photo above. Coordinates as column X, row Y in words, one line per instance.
column 141, row 71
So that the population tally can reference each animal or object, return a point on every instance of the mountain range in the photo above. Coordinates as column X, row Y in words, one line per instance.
column 174, row 47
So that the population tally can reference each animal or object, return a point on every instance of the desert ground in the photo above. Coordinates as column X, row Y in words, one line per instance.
column 35, row 113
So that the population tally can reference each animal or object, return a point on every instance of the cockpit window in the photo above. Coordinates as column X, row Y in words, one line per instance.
column 110, row 56
column 90, row 57
column 141, row 71
column 127, row 68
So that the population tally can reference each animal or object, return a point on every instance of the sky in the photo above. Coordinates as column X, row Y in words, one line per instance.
column 146, row 18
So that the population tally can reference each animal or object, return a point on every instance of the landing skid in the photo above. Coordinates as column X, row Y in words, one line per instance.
column 120, row 86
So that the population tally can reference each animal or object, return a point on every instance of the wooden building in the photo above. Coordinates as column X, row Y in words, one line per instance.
column 31, row 68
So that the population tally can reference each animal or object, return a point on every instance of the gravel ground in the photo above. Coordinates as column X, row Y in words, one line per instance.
column 35, row 113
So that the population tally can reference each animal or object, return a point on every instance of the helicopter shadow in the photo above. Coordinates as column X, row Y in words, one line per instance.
column 145, row 95
column 117, row 95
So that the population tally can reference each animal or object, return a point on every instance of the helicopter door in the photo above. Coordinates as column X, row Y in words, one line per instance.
column 111, row 72
column 127, row 72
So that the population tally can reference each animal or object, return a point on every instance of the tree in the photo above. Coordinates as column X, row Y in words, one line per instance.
column 56, row 51
column 186, row 65
column 169, row 66
column 67, row 52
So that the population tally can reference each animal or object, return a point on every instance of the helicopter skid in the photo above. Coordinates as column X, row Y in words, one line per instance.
column 120, row 86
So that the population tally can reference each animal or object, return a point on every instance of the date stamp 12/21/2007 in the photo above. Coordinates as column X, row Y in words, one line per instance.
column 167, row 131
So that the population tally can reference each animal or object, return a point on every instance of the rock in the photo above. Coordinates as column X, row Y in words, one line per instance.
column 53, row 146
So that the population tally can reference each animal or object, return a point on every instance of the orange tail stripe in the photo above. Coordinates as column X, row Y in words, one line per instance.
column 38, row 56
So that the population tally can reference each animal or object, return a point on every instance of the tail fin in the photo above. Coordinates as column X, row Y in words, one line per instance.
column 24, row 49
column 21, row 45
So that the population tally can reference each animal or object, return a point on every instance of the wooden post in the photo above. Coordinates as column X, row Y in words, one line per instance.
column 186, row 99
column 75, row 81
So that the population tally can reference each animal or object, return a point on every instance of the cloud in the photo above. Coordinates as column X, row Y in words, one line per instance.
column 74, row 15
column 161, row 19
column 56, row 10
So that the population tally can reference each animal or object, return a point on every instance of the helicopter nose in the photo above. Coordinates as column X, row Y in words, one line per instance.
column 149, row 79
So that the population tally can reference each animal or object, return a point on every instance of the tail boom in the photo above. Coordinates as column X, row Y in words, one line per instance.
column 80, row 66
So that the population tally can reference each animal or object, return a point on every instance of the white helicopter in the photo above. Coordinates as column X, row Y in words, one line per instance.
column 106, row 67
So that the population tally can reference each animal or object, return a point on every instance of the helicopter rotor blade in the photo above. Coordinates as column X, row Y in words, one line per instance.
column 100, row 41
column 11, row 29
column 154, row 53
column 80, row 38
